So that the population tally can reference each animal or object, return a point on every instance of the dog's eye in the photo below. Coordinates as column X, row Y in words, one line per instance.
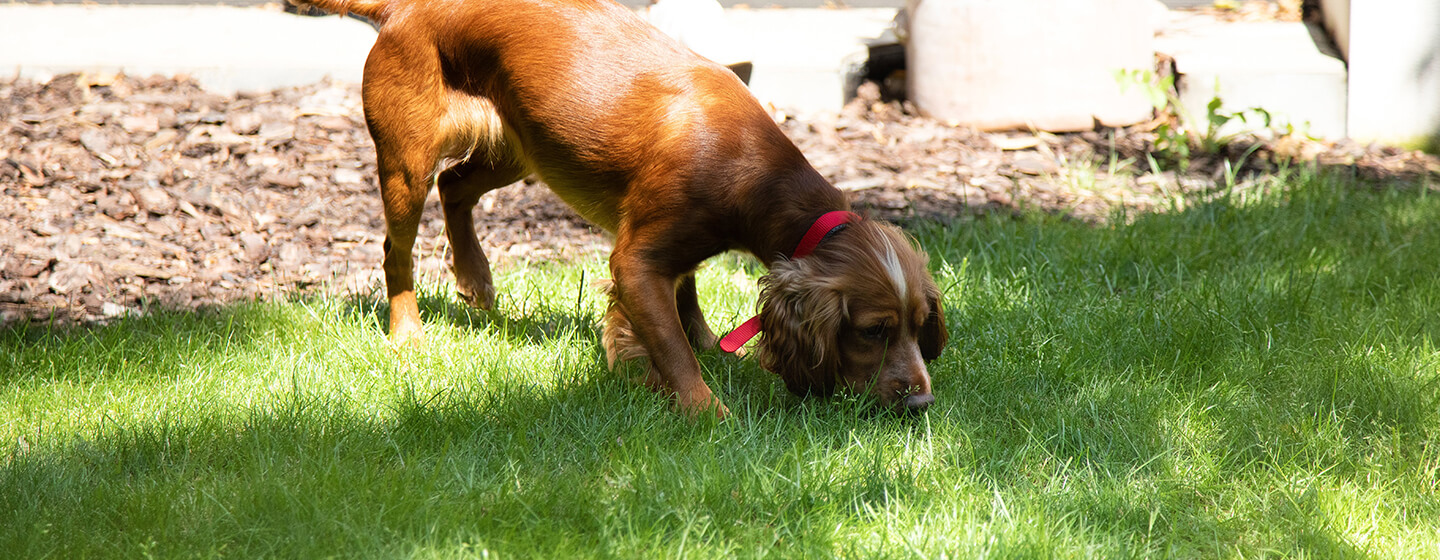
column 876, row 332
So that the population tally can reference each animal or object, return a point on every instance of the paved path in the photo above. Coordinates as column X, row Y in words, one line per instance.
column 226, row 48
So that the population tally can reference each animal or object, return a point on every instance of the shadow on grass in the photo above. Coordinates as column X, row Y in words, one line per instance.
column 1233, row 343
column 156, row 342
column 529, row 325
column 1206, row 379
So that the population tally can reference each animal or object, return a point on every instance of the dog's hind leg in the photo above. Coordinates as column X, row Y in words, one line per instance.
column 397, row 97
column 460, row 188
column 404, row 201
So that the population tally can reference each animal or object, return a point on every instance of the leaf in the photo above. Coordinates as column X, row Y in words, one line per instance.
column 1214, row 105
column 1156, row 97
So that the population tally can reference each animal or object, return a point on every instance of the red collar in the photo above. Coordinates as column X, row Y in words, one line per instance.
column 823, row 226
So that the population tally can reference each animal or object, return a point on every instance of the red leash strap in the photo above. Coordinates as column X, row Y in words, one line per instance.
column 742, row 334
column 823, row 225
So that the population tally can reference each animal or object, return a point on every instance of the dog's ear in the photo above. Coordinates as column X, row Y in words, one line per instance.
column 933, row 335
column 800, row 317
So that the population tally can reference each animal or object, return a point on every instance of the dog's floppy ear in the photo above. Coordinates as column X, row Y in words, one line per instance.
column 933, row 335
column 800, row 318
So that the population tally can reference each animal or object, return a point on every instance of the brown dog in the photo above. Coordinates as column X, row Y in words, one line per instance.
column 666, row 150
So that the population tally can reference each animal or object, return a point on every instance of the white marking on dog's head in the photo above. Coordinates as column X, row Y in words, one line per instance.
column 891, row 262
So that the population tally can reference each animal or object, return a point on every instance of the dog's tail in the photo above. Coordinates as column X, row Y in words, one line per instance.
column 373, row 10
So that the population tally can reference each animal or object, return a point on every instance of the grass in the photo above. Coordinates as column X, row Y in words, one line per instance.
column 1252, row 376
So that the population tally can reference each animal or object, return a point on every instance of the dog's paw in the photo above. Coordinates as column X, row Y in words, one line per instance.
column 700, row 403
column 405, row 336
column 709, row 408
column 482, row 296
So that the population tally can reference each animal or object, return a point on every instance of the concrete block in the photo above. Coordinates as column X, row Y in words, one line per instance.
column 804, row 59
column 701, row 25
column 1029, row 63
column 1276, row 66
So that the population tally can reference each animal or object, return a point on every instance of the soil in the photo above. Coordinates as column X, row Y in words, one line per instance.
column 125, row 194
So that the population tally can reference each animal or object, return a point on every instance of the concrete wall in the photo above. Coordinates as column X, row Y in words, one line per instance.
column 1394, row 56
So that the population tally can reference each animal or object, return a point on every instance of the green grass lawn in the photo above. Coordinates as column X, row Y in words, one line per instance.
column 1253, row 376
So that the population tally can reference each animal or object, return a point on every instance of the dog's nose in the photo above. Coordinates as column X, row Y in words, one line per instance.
column 917, row 403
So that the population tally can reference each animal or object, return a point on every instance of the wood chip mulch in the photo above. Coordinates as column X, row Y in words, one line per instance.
column 124, row 194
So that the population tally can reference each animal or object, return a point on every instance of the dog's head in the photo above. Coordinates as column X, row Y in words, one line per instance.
column 861, row 313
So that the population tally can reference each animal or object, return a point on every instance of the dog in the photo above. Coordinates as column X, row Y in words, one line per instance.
column 667, row 151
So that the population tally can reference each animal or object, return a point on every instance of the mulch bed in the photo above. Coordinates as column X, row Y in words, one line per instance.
column 124, row 194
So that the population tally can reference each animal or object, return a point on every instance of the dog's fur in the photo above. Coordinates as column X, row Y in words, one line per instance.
column 666, row 150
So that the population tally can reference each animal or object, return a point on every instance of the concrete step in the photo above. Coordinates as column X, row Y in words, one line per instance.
column 1288, row 69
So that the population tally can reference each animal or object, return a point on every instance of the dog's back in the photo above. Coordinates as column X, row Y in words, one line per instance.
column 583, row 93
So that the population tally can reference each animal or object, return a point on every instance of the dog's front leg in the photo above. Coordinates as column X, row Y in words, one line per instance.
column 647, row 297
column 688, row 303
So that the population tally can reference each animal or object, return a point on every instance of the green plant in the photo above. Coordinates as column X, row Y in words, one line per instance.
column 1180, row 134
column 1173, row 138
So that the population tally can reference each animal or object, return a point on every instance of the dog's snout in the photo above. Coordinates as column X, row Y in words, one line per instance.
column 917, row 403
